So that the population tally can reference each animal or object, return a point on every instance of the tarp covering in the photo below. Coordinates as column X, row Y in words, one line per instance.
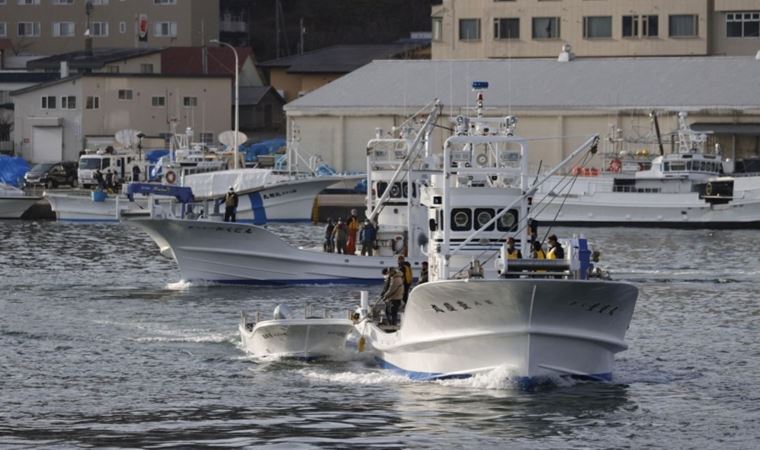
column 12, row 170
column 216, row 184
column 152, row 156
column 252, row 151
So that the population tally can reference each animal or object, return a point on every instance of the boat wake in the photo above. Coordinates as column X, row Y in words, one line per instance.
column 180, row 285
column 193, row 336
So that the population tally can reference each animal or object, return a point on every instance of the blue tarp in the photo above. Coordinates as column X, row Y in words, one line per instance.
column 13, row 169
column 253, row 150
column 152, row 156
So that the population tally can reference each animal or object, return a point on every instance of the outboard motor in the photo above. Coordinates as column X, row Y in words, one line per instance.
column 282, row 312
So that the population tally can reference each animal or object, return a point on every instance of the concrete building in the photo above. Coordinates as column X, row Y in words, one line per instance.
column 46, row 27
column 54, row 121
column 12, row 81
column 600, row 28
column 550, row 98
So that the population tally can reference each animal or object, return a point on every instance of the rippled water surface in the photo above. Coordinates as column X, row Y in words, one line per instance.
column 102, row 345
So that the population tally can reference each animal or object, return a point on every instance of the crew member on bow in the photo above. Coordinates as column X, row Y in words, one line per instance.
column 352, row 226
column 230, row 206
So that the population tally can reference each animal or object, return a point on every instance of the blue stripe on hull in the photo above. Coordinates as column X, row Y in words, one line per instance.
column 526, row 383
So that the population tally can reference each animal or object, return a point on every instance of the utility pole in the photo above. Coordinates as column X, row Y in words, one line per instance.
column 303, row 31
column 277, row 27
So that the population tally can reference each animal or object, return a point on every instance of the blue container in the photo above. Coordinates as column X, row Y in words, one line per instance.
column 98, row 196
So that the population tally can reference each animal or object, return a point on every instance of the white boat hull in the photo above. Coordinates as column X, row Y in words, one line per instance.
column 14, row 206
column 249, row 254
column 297, row 338
column 535, row 327
column 286, row 202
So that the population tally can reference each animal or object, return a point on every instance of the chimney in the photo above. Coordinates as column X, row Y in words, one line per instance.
column 64, row 69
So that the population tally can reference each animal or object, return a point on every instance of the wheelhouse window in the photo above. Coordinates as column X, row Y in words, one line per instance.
column 506, row 28
column 743, row 24
column 546, row 28
column 682, row 25
column 597, row 27
column 469, row 29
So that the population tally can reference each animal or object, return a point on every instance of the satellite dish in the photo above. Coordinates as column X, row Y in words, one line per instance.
column 228, row 139
column 128, row 137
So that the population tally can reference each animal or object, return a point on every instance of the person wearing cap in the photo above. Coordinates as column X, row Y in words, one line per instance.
column 394, row 295
column 367, row 237
column 405, row 269
column 230, row 205
column 339, row 236
column 352, row 226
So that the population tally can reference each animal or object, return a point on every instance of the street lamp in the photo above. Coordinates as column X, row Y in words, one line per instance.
column 237, row 97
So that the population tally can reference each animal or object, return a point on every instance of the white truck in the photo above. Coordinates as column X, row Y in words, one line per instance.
column 120, row 164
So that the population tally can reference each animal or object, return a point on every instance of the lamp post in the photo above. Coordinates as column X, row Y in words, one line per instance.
column 237, row 97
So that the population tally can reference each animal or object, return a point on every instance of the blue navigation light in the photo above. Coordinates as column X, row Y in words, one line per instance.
column 480, row 84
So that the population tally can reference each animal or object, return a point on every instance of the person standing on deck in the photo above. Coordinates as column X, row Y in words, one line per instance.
column 555, row 249
column 367, row 238
column 393, row 297
column 423, row 278
column 329, row 245
column 230, row 206
column 339, row 236
column 352, row 225
column 135, row 173
column 406, row 275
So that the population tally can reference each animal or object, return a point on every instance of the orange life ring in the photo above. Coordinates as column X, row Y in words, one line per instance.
column 171, row 177
column 615, row 165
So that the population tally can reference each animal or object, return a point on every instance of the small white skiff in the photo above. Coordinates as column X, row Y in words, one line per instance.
column 284, row 337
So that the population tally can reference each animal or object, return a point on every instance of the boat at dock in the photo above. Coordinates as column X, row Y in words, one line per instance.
column 481, row 310
column 689, row 188
column 14, row 202
column 285, row 336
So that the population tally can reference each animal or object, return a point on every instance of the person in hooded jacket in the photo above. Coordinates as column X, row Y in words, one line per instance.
column 394, row 295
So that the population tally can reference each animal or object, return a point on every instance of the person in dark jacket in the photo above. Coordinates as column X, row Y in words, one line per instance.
column 135, row 173
column 406, row 275
column 555, row 248
column 230, row 206
column 109, row 179
column 367, row 237
column 329, row 245
column 340, row 236
column 98, row 177
column 423, row 278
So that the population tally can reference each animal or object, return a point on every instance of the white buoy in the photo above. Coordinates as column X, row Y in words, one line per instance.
column 364, row 304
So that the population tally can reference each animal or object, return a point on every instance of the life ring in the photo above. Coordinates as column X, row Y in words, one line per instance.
column 615, row 165
column 171, row 177
column 395, row 190
column 481, row 159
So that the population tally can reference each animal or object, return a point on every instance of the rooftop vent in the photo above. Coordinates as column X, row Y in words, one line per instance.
column 566, row 54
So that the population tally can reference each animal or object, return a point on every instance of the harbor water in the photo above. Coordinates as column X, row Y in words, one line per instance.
column 102, row 345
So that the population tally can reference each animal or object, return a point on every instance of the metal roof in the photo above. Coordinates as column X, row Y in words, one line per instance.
column 675, row 83
column 94, row 59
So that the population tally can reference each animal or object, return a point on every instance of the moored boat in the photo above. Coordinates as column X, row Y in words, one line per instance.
column 14, row 202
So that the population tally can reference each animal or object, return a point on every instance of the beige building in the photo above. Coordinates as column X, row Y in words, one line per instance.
column 54, row 121
column 44, row 27
column 473, row 29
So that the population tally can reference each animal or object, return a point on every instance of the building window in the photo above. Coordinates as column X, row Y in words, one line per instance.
column 469, row 29
column 146, row 68
column 99, row 29
column 61, row 29
column 92, row 103
column 48, row 102
column 2, row 29
column 164, row 2
column 190, row 102
column 99, row 2
column 122, row 27
column 28, row 29
column 158, row 102
column 545, row 27
column 68, row 102
column 28, row 2
column 743, row 24
column 165, row 29
column 650, row 26
column 630, row 26
column 596, row 27
column 63, row 2
column 506, row 28
column 125, row 94
column 437, row 30
column 207, row 138
column 682, row 25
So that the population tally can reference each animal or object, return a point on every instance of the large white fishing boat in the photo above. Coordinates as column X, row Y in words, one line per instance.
column 689, row 188
column 248, row 254
column 538, row 318
column 14, row 202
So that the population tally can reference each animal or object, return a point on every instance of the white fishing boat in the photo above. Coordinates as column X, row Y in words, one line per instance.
column 538, row 318
column 265, row 195
column 14, row 202
column 689, row 188
column 285, row 336
column 248, row 254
